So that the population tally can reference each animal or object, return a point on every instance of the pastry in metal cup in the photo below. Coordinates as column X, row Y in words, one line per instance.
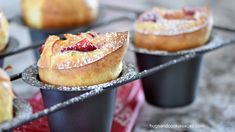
column 163, row 34
column 6, row 97
column 92, row 114
column 83, row 59
column 12, row 110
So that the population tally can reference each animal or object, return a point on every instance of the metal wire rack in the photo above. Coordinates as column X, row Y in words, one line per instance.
column 217, row 41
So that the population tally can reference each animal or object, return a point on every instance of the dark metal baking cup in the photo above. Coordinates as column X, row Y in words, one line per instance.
column 93, row 114
column 177, row 85
column 12, row 45
column 21, row 110
column 172, row 87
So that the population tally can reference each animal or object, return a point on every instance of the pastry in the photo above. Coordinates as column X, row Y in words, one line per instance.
column 4, row 31
column 83, row 59
column 49, row 14
column 6, row 97
column 173, row 30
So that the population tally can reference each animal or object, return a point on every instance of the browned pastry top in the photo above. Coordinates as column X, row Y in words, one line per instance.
column 160, row 21
column 49, row 14
column 52, row 10
column 79, row 50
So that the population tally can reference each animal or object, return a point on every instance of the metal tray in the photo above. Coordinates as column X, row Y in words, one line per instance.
column 30, row 74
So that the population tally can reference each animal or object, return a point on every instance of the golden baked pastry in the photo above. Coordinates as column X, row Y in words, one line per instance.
column 173, row 30
column 6, row 97
column 48, row 14
column 82, row 60
column 4, row 31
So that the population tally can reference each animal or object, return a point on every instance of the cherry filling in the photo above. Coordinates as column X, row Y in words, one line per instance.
column 84, row 45
column 150, row 16
column 189, row 11
column 41, row 49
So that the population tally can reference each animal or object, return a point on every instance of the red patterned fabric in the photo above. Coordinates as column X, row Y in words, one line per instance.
column 129, row 100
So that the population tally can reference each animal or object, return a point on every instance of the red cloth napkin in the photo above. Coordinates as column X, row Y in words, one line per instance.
column 130, row 97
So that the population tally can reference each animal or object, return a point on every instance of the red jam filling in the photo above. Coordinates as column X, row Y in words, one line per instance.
column 84, row 46
column 189, row 11
column 41, row 49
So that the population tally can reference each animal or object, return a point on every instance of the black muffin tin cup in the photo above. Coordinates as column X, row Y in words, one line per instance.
column 177, row 85
column 94, row 114
column 12, row 45
column 1, row 63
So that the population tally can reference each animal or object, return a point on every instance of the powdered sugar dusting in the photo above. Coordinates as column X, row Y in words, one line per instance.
column 105, row 43
column 167, row 27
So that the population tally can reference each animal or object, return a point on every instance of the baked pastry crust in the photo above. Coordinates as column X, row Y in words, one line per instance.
column 173, row 30
column 75, row 68
column 6, row 97
column 4, row 31
column 49, row 14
